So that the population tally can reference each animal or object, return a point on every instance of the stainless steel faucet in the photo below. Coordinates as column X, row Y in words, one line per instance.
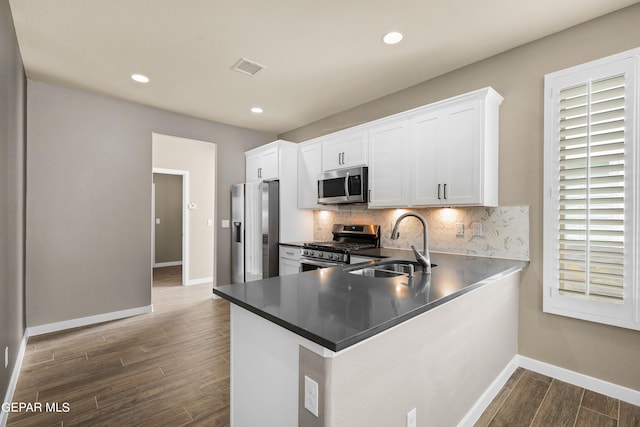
column 423, row 260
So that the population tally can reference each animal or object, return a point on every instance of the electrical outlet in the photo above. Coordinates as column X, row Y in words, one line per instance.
column 459, row 229
column 411, row 418
column 311, row 395
column 477, row 229
column 6, row 356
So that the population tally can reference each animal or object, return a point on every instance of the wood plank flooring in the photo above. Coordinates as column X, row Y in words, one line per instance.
column 171, row 368
column 531, row 399
column 166, row 368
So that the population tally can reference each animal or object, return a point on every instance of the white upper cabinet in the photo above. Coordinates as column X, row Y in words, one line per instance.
column 309, row 167
column 425, row 158
column 389, row 170
column 448, row 164
column 279, row 160
column 452, row 155
column 344, row 150
column 441, row 154
column 262, row 163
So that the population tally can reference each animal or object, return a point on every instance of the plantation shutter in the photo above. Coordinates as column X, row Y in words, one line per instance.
column 592, row 171
column 592, row 191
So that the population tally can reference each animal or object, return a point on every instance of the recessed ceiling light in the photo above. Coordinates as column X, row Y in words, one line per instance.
column 257, row 110
column 392, row 37
column 140, row 78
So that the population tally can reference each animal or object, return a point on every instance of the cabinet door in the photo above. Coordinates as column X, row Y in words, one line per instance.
column 426, row 159
column 332, row 150
column 344, row 150
column 289, row 260
column 309, row 167
column 253, row 165
column 354, row 150
column 288, row 266
column 269, row 168
column 462, row 138
column 262, row 165
column 389, row 165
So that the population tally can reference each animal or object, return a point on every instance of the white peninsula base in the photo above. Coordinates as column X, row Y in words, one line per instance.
column 440, row 362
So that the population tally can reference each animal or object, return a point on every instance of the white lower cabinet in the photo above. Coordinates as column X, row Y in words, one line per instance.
column 289, row 260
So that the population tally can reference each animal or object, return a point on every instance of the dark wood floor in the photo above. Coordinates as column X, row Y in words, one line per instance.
column 169, row 367
column 532, row 399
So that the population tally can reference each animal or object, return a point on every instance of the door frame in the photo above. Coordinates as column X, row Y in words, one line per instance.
column 185, row 219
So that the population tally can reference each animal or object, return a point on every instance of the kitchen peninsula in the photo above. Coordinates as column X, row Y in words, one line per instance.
column 376, row 347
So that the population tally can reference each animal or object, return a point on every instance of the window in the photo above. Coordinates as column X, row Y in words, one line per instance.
column 592, row 185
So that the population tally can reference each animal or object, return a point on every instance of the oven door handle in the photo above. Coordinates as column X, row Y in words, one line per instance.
column 318, row 263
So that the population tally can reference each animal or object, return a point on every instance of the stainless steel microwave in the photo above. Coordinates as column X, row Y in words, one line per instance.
column 343, row 186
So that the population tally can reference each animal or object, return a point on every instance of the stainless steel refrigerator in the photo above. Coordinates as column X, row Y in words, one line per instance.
column 254, row 230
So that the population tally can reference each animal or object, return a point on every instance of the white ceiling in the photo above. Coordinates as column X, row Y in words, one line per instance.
column 321, row 56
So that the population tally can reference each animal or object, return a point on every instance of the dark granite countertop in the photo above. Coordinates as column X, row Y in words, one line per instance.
column 337, row 309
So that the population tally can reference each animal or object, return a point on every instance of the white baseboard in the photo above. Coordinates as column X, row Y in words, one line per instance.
column 590, row 383
column 13, row 381
column 200, row 281
column 89, row 320
column 489, row 394
column 594, row 384
column 167, row 264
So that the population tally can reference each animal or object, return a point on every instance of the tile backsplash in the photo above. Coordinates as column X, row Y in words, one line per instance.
column 505, row 230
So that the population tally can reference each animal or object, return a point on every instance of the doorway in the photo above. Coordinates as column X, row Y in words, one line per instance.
column 195, row 162
column 170, row 225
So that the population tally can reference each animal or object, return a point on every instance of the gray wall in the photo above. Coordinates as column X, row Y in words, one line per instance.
column 12, row 147
column 600, row 351
column 168, row 236
column 89, row 180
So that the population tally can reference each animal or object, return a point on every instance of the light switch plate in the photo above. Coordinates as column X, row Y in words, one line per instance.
column 225, row 223
column 477, row 229
column 311, row 395
column 459, row 229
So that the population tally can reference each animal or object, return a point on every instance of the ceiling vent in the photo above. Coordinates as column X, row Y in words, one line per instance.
column 247, row 66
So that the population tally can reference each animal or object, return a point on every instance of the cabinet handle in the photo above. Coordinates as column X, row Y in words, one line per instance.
column 445, row 191
column 439, row 198
column 259, row 172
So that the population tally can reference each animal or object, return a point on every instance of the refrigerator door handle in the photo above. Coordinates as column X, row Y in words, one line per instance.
column 238, row 228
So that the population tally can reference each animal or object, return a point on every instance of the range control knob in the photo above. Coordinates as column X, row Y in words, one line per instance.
column 320, row 255
column 330, row 256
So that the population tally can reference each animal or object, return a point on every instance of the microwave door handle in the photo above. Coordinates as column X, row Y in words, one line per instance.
column 346, row 186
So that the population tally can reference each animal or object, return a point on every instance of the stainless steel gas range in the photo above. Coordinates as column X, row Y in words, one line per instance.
column 346, row 239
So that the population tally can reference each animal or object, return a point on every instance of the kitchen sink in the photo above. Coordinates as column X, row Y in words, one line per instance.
column 387, row 269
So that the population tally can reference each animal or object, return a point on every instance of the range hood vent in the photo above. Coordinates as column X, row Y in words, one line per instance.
column 247, row 66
